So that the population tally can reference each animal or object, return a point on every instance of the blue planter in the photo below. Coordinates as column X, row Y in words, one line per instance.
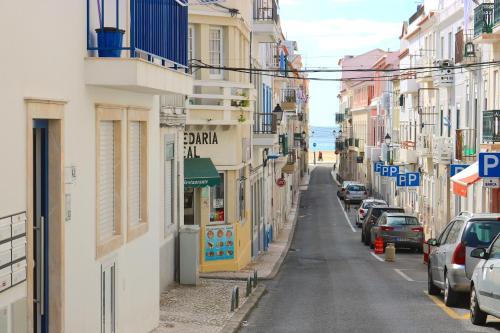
column 109, row 42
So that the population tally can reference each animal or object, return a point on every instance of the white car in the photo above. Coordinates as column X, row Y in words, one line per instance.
column 365, row 206
column 485, row 284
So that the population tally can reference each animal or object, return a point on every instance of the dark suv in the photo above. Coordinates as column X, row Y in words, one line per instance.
column 371, row 218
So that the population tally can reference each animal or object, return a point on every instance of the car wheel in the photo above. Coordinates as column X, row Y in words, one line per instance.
column 431, row 287
column 450, row 296
column 477, row 316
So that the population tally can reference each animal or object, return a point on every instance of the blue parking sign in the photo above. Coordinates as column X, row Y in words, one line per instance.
column 456, row 168
column 413, row 179
column 394, row 171
column 489, row 165
column 385, row 170
column 401, row 180
column 377, row 167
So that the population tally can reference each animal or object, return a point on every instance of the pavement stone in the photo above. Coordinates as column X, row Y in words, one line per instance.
column 204, row 308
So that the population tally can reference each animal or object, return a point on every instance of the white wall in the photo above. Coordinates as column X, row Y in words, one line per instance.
column 48, row 63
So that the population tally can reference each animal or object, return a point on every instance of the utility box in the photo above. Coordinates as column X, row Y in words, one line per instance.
column 189, row 255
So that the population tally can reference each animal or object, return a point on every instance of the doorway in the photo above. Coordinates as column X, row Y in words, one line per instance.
column 189, row 206
column 40, row 225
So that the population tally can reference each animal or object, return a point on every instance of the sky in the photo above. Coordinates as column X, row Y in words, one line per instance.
column 330, row 29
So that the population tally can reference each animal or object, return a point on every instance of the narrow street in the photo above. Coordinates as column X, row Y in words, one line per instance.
column 330, row 282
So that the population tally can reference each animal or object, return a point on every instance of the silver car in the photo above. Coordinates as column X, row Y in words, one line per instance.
column 341, row 192
column 450, row 262
column 355, row 193
column 403, row 230
column 485, row 285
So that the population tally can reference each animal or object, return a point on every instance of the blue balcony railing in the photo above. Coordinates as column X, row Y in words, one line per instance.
column 157, row 30
column 483, row 19
column 497, row 11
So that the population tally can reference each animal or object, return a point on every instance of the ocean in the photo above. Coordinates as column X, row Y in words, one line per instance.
column 322, row 137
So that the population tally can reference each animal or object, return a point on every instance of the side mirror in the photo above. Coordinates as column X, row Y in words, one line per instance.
column 433, row 242
column 479, row 253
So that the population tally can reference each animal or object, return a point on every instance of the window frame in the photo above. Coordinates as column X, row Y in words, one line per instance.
column 170, row 141
column 220, row 74
column 224, row 177
column 115, row 114
column 142, row 116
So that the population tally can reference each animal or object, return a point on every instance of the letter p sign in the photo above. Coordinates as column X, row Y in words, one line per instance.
column 489, row 165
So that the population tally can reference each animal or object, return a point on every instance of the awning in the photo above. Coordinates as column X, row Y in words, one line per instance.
column 200, row 172
column 461, row 181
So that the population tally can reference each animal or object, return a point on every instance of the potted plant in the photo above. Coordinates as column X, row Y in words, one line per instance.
column 109, row 39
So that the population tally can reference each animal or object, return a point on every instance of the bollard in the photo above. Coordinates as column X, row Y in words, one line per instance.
column 249, row 286
column 255, row 278
column 235, row 298
column 390, row 252
column 379, row 245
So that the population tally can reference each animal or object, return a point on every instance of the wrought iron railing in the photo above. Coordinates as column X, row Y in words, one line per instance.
column 497, row 12
column 265, row 10
column 265, row 123
column 465, row 143
column 292, row 156
column 157, row 30
column 339, row 118
column 491, row 126
column 483, row 18
column 288, row 96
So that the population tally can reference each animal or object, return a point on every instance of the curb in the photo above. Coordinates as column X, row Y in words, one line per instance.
column 279, row 262
column 335, row 180
column 233, row 325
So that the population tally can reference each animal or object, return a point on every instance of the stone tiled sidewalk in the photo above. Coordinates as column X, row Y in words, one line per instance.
column 202, row 309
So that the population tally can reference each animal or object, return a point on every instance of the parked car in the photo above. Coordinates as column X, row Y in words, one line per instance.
column 485, row 285
column 342, row 190
column 404, row 230
column 450, row 262
column 365, row 206
column 355, row 193
column 371, row 218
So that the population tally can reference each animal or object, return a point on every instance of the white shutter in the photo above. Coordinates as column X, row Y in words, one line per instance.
column 168, row 193
column 135, row 172
column 106, row 180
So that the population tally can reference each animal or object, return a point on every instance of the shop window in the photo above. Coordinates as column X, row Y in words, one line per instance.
column 217, row 202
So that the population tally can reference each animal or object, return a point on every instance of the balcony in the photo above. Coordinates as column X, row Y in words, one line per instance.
column 339, row 118
column 289, row 100
column 497, row 16
column 266, row 11
column 465, row 49
column 442, row 148
column 491, row 126
column 220, row 103
column 291, row 162
column 424, row 145
column 265, row 129
column 484, row 22
column 425, row 61
column 270, row 55
column 283, row 142
column 339, row 144
column 147, row 53
column 465, row 148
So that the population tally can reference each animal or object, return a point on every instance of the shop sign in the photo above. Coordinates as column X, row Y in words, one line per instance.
column 219, row 242
column 193, row 139
column 281, row 182
column 491, row 182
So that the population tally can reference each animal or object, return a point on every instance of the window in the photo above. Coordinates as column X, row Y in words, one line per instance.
column 169, row 174
column 217, row 201
column 454, row 232
column 450, row 46
column 495, row 250
column 137, row 173
column 402, row 220
column 481, row 233
column 444, row 234
column 496, row 87
column 442, row 47
column 216, row 51
column 108, row 278
column 241, row 195
column 109, row 161
column 191, row 41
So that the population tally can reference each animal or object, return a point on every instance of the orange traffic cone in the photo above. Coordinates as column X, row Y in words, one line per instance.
column 379, row 245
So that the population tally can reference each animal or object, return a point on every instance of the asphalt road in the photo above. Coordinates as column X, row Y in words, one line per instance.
column 330, row 282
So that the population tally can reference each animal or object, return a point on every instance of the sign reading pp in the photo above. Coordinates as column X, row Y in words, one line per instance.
column 411, row 179
column 390, row 171
column 489, row 165
column 377, row 167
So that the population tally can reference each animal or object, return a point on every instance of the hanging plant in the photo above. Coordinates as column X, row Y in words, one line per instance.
column 242, row 118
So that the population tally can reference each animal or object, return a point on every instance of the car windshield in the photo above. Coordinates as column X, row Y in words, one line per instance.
column 481, row 233
column 402, row 220
column 372, row 203
column 356, row 188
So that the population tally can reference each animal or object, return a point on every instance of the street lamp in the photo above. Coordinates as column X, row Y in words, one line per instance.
column 278, row 111
column 387, row 139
